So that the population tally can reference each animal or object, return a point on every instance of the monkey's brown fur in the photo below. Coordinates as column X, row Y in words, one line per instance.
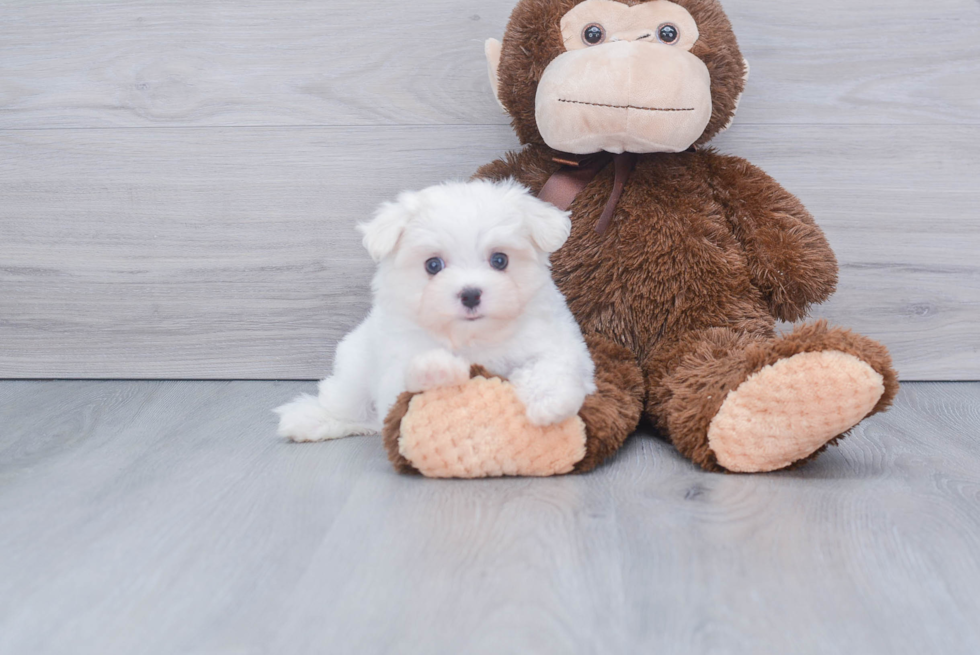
column 678, row 298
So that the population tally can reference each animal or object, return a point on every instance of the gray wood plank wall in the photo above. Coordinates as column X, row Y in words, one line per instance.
column 179, row 181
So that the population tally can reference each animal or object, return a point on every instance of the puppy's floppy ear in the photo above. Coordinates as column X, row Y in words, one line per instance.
column 381, row 235
column 547, row 225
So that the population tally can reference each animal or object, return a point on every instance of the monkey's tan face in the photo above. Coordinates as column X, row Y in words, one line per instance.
column 627, row 81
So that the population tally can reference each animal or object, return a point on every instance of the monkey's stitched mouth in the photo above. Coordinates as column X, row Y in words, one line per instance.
column 598, row 104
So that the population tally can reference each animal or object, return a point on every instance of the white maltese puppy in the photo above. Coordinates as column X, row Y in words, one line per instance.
column 463, row 278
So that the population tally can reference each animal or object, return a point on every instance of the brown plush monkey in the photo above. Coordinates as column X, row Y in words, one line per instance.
column 679, row 264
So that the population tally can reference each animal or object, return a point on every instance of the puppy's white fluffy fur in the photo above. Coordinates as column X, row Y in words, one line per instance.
column 421, row 335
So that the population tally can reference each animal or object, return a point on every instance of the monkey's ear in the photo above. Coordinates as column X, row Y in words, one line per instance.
column 381, row 235
column 745, row 79
column 492, row 49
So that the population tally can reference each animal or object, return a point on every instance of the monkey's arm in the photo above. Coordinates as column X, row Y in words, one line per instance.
column 788, row 255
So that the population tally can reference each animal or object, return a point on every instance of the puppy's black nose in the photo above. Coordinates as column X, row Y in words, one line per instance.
column 470, row 297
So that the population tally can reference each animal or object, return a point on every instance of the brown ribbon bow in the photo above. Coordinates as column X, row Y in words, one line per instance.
column 575, row 174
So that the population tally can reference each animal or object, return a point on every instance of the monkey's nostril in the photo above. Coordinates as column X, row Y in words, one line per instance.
column 470, row 297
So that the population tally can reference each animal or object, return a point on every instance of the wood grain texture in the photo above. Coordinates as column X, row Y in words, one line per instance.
column 161, row 517
column 291, row 62
column 191, row 253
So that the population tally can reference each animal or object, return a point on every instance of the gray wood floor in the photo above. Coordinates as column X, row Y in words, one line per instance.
column 165, row 517
column 179, row 181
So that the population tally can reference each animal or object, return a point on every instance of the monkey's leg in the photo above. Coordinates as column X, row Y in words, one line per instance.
column 612, row 413
column 479, row 429
column 747, row 404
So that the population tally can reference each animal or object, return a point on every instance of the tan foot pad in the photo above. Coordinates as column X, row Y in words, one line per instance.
column 788, row 410
column 479, row 430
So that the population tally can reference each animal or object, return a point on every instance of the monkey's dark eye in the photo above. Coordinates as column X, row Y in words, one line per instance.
column 594, row 34
column 668, row 34
column 434, row 265
column 499, row 261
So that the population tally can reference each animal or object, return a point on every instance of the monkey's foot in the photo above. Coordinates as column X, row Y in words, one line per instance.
column 790, row 409
column 478, row 430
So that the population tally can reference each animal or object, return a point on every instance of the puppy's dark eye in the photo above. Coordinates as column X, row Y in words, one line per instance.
column 668, row 34
column 434, row 265
column 499, row 261
column 594, row 34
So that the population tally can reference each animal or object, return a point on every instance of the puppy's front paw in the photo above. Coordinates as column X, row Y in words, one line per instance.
column 552, row 410
column 434, row 369
column 549, row 405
